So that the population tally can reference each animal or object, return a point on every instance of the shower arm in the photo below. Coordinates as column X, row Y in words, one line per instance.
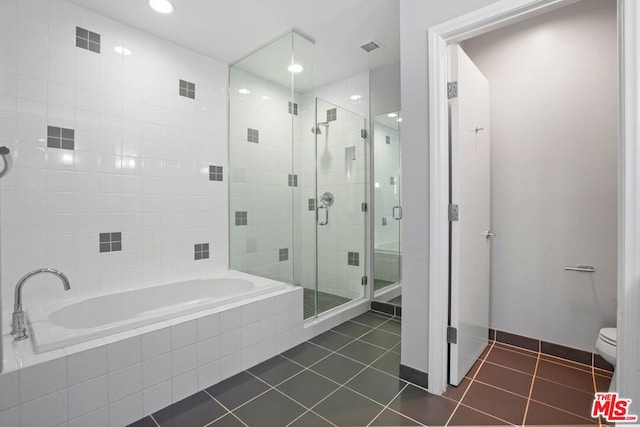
column 4, row 152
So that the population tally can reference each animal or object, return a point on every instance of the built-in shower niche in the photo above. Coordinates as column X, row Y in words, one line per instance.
column 387, row 219
column 287, row 148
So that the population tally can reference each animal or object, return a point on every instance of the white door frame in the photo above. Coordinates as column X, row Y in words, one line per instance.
column 492, row 17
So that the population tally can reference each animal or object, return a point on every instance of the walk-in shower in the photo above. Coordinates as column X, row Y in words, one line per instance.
column 295, row 195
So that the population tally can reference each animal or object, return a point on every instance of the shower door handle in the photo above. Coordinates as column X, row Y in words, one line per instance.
column 398, row 216
column 326, row 215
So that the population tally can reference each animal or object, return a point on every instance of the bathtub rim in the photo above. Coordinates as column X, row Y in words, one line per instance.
column 21, row 354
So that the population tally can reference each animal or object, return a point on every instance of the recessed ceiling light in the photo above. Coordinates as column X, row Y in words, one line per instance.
column 161, row 6
column 355, row 97
column 295, row 68
column 400, row 119
column 244, row 91
column 121, row 50
column 392, row 115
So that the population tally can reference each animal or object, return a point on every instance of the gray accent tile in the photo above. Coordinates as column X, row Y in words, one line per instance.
column 94, row 37
column 60, row 138
column 201, row 251
column 387, row 139
column 283, row 254
column 82, row 43
column 216, row 173
column 110, row 242
column 187, row 89
column 81, row 32
column 54, row 131
column 384, row 220
column 253, row 135
column 241, row 218
column 353, row 258
column 332, row 114
column 293, row 180
column 293, row 108
column 54, row 142
column 312, row 204
column 88, row 40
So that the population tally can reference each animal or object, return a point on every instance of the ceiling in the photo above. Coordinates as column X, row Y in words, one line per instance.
column 229, row 30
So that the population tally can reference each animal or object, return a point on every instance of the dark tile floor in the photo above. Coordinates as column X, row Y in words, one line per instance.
column 349, row 377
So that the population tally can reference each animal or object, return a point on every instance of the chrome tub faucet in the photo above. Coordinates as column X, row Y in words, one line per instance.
column 19, row 327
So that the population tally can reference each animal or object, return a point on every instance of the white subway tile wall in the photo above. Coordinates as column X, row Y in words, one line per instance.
column 139, row 161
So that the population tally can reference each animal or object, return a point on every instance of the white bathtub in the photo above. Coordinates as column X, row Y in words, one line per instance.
column 73, row 321
column 387, row 261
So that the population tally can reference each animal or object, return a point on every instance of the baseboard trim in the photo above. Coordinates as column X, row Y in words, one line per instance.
column 414, row 376
column 551, row 349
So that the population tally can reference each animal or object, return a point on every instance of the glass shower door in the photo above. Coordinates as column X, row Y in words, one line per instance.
column 340, row 192
column 387, row 199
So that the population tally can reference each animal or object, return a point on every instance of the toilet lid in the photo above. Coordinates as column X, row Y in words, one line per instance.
column 609, row 335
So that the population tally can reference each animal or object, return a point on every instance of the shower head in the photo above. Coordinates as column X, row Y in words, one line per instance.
column 316, row 130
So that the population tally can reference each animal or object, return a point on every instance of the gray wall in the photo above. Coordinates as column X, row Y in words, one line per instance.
column 416, row 16
column 554, row 172
column 385, row 89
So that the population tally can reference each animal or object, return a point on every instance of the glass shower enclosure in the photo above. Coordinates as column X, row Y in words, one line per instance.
column 296, row 178
column 388, row 203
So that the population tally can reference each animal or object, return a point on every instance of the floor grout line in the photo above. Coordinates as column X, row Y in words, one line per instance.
column 385, row 407
column 469, row 386
column 154, row 420
column 595, row 388
column 533, row 381
column 224, row 407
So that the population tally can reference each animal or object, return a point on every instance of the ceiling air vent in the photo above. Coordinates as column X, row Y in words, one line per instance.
column 371, row 46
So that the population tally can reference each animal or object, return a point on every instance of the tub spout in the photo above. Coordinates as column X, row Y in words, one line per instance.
column 19, row 327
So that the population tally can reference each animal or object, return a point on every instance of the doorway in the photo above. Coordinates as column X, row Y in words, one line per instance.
column 463, row 28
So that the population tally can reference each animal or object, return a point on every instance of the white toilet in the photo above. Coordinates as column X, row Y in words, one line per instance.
column 607, row 347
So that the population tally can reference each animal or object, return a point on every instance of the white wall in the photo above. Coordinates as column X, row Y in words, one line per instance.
column 140, row 164
column 385, row 89
column 416, row 16
column 554, row 172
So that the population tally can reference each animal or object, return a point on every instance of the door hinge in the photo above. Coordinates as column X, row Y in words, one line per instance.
column 453, row 212
column 452, row 335
column 364, row 280
column 452, row 90
column 364, row 207
column 364, row 133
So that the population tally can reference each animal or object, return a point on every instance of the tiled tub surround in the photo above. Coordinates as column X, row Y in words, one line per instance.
column 73, row 321
column 104, row 142
column 120, row 378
